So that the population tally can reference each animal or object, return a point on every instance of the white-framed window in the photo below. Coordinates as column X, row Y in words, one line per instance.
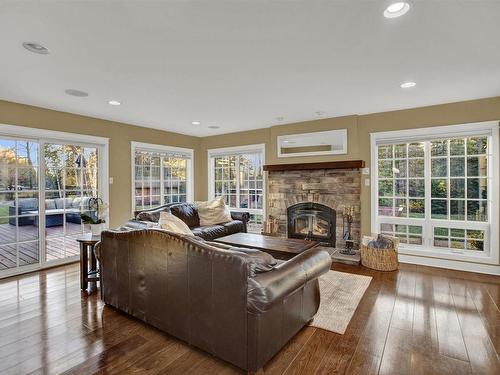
column 236, row 173
column 160, row 175
column 436, row 189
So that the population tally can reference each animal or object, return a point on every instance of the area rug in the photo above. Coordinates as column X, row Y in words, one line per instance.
column 340, row 296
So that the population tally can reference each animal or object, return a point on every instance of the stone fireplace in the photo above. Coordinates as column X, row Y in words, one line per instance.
column 331, row 188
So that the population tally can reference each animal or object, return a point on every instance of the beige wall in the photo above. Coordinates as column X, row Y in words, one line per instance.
column 359, row 129
column 119, row 136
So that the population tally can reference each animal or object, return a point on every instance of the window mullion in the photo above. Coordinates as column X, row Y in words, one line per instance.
column 162, row 181
column 427, row 230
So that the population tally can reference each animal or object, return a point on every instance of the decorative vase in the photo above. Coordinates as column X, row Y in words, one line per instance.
column 96, row 229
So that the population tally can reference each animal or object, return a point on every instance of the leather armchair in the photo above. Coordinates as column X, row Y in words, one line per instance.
column 239, row 305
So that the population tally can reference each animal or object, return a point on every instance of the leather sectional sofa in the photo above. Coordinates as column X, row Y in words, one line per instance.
column 188, row 213
column 240, row 305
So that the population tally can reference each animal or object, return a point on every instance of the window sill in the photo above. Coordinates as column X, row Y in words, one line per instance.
column 484, row 258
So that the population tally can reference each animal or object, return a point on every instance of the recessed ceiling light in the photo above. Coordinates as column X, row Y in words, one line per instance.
column 78, row 93
column 407, row 85
column 196, row 122
column 114, row 102
column 396, row 10
column 36, row 48
column 214, row 127
column 280, row 118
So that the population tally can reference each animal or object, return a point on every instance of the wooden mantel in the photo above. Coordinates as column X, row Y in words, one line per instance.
column 346, row 164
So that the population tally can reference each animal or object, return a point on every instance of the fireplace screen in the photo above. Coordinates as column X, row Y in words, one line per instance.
column 312, row 221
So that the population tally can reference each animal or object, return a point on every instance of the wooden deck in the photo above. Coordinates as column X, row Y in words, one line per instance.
column 57, row 246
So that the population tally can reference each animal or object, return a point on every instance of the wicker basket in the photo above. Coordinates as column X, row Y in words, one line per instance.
column 380, row 259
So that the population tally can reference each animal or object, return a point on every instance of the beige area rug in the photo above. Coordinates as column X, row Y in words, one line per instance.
column 340, row 296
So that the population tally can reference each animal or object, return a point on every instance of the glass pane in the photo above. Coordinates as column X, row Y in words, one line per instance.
column 28, row 253
column 477, row 210
column 457, row 167
column 439, row 148
column 7, row 152
column 457, row 147
column 439, row 209
column 72, row 179
column 400, row 208
column 54, row 156
column 416, row 188
column 400, row 151
column 416, row 168
column 477, row 166
column 457, row 188
column 400, row 168
column 475, row 245
column 439, row 167
column 457, row 209
column 416, row 150
column 477, row 145
column 27, row 153
column 416, row 208
column 477, row 188
column 385, row 207
column 400, row 188
column 385, row 168
column 27, row 178
column 385, row 188
column 457, row 243
column 7, row 177
column 385, row 152
column 439, row 188
column 28, row 228
column 7, row 204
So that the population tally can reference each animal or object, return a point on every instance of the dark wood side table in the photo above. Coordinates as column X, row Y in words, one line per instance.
column 88, row 277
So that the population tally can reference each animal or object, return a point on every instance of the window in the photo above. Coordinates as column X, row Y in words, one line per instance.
column 438, row 192
column 162, row 175
column 236, row 174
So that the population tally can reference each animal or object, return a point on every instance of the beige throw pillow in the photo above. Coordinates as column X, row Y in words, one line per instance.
column 213, row 212
column 173, row 224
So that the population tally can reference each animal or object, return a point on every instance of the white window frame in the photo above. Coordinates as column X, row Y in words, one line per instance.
column 490, row 129
column 43, row 136
column 134, row 146
column 212, row 153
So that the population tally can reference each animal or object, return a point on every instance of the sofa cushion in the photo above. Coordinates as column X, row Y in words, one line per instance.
column 50, row 204
column 234, row 226
column 213, row 212
column 188, row 213
column 210, row 232
column 28, row 204
column 262, row 261
column 148, row 216
column 172, row 223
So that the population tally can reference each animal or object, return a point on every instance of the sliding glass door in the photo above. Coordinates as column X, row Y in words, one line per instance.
column 44, row 187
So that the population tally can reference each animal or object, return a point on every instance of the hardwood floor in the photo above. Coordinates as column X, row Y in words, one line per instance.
column 418, row 320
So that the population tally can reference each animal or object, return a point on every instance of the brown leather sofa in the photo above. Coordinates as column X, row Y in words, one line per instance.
column 188, row 213
column 240, row 305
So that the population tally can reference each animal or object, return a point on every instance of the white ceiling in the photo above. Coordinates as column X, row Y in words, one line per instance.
column 241, row 64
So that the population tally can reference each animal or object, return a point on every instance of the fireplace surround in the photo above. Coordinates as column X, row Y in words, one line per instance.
column 312, row 221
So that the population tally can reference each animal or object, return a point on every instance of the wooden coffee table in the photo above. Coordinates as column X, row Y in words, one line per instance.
column 280, row 248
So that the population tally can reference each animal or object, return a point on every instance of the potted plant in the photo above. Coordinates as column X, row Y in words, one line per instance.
column 95, row 216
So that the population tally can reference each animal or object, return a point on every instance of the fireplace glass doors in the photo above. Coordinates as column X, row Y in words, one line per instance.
column 312, row 221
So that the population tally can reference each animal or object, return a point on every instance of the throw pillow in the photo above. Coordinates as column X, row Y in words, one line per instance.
column 213, row 212
column 173, row 224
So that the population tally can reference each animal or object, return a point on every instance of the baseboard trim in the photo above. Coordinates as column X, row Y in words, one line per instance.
column 489, row 269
